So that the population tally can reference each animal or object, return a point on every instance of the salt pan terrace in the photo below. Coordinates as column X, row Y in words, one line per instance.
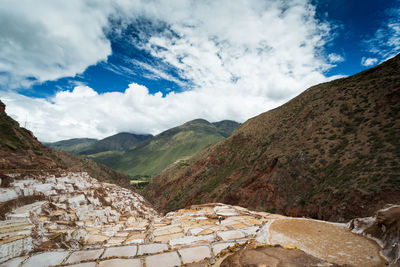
column 73, row 211
column 84, row 223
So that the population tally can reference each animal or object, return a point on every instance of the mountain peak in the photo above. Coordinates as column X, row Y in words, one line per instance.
column 197, row 121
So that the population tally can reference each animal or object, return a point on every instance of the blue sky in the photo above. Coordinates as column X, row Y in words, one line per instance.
column 354, row 22
column 81, row 69
column 357, row 22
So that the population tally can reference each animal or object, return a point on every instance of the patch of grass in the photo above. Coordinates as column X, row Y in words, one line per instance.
column 139, row 184
column 217, row 180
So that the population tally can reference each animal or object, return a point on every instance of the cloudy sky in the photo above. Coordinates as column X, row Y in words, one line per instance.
column 86, row 68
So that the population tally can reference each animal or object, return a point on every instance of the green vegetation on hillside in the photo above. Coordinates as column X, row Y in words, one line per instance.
column 72, row 146
column 117, row 142
column 88, row 146
column 226, row 127
column 153, row 155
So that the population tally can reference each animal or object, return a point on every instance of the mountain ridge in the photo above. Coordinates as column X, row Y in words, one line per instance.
column 319, row 155
column 71, row 145
column 156, row 153
column 119, row 141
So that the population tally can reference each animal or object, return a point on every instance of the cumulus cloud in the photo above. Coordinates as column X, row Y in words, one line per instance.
column 335, row 58
column 241, row 58
column 246, row 45
column 83, row 112
column 367, row 62
column 47, row 40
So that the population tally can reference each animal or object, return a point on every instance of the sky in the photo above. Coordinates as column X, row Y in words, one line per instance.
column 86, row 68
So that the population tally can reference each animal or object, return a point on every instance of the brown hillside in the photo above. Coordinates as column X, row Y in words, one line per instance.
column 331, row 153
column 21, row 152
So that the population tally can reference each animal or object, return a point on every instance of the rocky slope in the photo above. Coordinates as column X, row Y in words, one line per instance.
column 19, row 148
column 21, row 152
column 331, row 153
column 151, row 156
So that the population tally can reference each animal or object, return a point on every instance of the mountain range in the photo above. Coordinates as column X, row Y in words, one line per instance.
column 144, row 156
column 89, row 146
column 331, row 153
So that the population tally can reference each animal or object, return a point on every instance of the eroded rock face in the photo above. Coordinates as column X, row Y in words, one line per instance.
column 384, row 227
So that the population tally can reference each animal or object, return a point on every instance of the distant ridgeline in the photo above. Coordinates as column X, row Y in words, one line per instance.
column 142, row 157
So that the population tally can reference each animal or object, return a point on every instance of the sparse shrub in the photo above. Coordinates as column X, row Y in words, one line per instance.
column 348, row 128
column 374, row 122
column 344, row 109
column 271, row 210
column 339, row 147
column 332, row 137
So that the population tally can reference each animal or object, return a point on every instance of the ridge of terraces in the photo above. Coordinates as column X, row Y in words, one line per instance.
column 75, row 220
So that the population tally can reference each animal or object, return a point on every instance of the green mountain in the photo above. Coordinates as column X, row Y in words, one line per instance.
column 120, row 141
column 153, row 155
column 226, row 127
column 72, row 146
column 331, row 153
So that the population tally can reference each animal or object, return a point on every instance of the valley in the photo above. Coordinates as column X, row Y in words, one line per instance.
column 141, row 157
column 262, row 133
column 311, row 183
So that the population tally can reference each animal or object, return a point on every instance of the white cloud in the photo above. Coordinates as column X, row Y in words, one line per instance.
column 367, row 62
column 50, row 39
column 157, row 72
column 241, row 57
column 386, row 41
column 335, row 58
column 83, row 112
column 249, row 46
